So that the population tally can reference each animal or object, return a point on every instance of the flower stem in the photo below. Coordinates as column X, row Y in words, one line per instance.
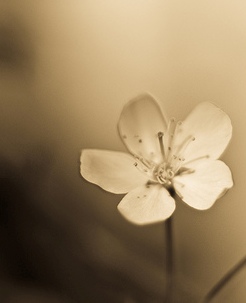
column 169, row 260
column 224, row 280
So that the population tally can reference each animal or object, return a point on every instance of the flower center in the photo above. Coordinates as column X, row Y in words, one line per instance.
column 171, row 152
column 164, row 173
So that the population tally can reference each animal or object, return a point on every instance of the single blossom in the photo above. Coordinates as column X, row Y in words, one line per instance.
column 164, row 157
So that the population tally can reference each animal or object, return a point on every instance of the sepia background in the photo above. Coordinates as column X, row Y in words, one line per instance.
column 66, row 70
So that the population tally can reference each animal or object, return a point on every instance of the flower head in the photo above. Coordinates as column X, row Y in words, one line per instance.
column 165, row 157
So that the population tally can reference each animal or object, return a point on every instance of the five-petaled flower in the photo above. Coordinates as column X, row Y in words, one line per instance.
column 165, row 157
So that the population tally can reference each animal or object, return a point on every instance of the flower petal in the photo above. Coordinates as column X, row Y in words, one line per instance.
column 201, row 188
column 113, row 171
column 147, row 204
column 140, row 121
column 211, row 128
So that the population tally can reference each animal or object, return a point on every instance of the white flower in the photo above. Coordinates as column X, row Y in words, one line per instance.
column 165, row 157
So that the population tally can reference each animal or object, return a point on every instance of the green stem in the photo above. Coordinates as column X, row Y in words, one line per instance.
column 169, row 260
column 224, row 280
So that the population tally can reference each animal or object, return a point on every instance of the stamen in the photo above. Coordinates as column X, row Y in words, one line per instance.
column 177, row 160
column 197, row 159
column 170, row 131
column 144, row 166
column 141, row 168
column 177, row 163
column 184, row 145
column 145, row 162
column 160, row 137
column 171, row 125
column 173, row 129
column 186, row 171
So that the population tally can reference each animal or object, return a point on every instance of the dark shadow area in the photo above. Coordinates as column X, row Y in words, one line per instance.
column 43, row 251
column 45, row 256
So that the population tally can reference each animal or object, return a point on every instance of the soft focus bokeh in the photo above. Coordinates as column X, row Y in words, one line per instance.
column 66, row 70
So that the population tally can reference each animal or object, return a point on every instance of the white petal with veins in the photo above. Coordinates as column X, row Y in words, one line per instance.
column 147, row 204
column 209, row 180
column 113, row 171
column 210, row 127
column 139, row 124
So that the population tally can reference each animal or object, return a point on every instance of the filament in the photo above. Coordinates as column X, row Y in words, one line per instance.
column 173, row 130
column 160, row 137
column 184, row 145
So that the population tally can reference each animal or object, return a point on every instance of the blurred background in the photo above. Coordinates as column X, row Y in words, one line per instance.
column 66, row 70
